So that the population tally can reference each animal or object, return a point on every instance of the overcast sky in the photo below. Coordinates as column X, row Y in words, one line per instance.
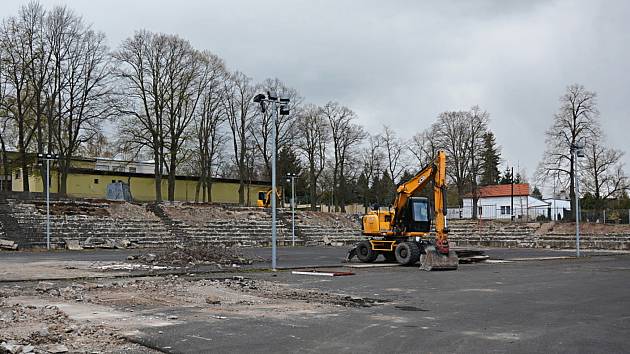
column 401, row 63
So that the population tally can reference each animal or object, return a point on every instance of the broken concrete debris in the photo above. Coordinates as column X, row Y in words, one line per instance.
column 8, row 245
column 108, row 243
column 195, row 254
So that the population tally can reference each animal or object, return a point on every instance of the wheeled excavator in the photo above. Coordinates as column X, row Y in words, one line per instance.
column 402, row 233
column 264, row 198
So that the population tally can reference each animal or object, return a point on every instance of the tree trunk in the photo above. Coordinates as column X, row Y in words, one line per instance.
column 572, row 188
column 313, row 190
column 158, row 174
column 171, row 176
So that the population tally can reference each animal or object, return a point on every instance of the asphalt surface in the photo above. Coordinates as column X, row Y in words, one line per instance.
column 552, row 306
column 288, row 257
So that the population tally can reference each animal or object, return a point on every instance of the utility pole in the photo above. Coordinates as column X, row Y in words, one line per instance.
column 292, row 177
column 512, row 196
column 577, row 151
column 280, row 107
column 47, row 158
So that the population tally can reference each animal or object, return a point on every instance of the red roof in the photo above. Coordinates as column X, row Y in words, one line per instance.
column 502, row 190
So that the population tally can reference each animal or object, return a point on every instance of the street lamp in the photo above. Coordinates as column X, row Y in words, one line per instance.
column 280, row 107
column 47, row 158
column 577, row 150
column 291, row 177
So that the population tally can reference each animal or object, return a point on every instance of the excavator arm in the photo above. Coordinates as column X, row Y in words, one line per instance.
column 436, row 172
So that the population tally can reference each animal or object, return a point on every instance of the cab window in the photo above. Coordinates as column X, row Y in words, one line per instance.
column 420, row 211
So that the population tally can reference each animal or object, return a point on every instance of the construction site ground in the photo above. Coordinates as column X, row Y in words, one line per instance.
column 520, row 300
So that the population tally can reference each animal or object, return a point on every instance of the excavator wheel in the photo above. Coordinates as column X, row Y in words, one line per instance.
column 365, row 252
column 390, row 257
column 407, row 253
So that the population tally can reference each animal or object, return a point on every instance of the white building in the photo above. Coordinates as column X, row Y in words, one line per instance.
column 560, row 207
column 495, row 202
column 105, row 164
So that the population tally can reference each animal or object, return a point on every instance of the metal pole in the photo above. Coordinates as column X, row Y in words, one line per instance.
column 577, row 207
column 273, row 187
column 512, row 196
column 47, row 204
column 293, row 211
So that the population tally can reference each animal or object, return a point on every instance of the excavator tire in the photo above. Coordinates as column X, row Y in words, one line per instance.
column 365, row 252
column 407, row 253
column 390, row 257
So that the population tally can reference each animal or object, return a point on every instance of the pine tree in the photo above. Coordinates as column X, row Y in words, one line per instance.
column 491, row 157
column 536, row 193
column 506, row 178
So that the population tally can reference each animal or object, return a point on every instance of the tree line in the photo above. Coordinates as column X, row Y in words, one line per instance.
column 157, row 97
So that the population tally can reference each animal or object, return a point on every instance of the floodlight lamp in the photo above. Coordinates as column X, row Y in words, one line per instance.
column 271, row 97
column 259, row 98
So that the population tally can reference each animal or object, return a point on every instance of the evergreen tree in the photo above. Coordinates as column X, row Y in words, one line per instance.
column 288, row 162
column 491, row 157
column 506, row 178
column 536, row 193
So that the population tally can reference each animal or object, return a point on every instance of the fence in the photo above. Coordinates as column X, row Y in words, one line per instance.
column 542, row 213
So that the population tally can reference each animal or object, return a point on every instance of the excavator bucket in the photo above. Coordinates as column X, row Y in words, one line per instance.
column 433, row 260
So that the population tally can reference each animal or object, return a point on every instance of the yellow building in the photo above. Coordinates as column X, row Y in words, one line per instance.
column 88, row 178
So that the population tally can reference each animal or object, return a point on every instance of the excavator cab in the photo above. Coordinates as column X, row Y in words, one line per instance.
column 416, row 215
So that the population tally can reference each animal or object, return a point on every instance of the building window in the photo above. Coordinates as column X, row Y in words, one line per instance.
column 95, row 180
column 132, row 169
column 17, row 174
column 118, row 169
column 505, row 210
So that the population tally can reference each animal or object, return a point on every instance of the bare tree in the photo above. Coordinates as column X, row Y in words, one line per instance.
column 423, row 146
column 346, row 136
column 285, row 129
column 372, row 158
column 452, row 134
column 394, row 153
column 207, row 127
column 187, row 71
column 84, row 97
column 238, row 106
column 313, row 134
column 603, row 171
column 478, row 128
column 141, row 67
column 17, row 61
column 576, row 121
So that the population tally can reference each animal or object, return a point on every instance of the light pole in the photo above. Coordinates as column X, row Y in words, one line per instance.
column 280, row 107
column 578, row 151
column 47, row 158
column 292, row 177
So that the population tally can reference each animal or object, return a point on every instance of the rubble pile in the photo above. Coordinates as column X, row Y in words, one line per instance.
column 71, row 207
column 195, row 254
column 47, row 329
